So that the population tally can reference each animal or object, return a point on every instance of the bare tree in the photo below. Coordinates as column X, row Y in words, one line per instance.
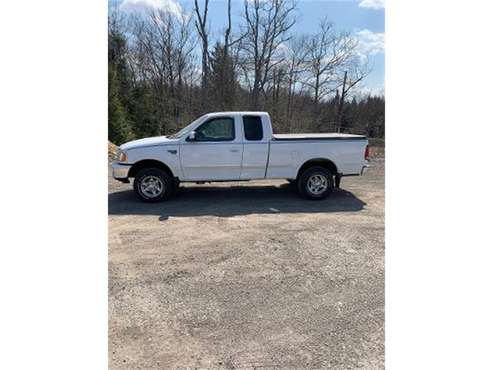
column 201, row 26
column 330, row 55
column 115, row 18
column 227, row 33
column 162, row 53
column 267, row 26
column 296, row 65
column 164, row 82
column 328, row 51
column 356, row 70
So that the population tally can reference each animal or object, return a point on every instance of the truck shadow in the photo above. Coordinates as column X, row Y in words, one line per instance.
column 232, row 201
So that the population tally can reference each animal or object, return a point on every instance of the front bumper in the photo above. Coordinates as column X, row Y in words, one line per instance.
column 120, row 171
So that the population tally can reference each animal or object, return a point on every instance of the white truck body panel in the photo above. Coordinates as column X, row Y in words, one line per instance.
column 254, row 162
column 286, row 157
column 210, row 161
column 271, row 157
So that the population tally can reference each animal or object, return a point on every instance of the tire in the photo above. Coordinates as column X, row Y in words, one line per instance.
column 176, row 186
column 160, row 186
column 316, row 183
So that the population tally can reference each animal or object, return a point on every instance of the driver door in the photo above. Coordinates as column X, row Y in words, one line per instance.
column 216, row 152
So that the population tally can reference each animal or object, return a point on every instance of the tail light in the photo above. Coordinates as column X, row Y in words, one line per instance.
column 367, row 153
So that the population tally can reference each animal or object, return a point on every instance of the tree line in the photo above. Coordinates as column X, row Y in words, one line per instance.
column 165, row 69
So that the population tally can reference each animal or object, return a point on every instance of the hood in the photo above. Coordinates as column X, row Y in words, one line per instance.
column 150, row 141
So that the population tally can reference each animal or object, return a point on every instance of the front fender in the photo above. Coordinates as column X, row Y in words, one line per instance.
column 169, row 155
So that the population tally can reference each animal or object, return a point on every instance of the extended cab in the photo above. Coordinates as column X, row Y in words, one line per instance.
column 238, row 146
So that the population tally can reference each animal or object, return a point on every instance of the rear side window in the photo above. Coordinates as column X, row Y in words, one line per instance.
column 252, row 126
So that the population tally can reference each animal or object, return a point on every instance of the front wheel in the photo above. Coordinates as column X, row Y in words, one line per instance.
column 153, row 185
column 316, row 183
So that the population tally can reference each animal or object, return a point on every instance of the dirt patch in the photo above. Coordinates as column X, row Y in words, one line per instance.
column 248, row 275
column 112, row 148
column 377, row 148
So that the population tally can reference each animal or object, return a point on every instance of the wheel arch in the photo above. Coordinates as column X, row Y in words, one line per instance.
column 320, row 162
column 149, row 163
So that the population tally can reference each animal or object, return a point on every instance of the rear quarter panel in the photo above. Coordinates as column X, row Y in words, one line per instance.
column 287, row 157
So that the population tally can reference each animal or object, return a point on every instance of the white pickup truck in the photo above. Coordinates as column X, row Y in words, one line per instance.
column 239, row 146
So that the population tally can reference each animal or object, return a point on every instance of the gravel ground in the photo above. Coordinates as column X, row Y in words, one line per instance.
column 248, row 275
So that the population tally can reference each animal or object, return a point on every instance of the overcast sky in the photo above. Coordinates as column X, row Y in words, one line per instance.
column 363, row 18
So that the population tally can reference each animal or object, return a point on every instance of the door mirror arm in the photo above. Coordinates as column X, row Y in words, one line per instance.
column 191, row 136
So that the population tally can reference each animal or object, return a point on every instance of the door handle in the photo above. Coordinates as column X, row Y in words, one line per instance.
column 232, row 150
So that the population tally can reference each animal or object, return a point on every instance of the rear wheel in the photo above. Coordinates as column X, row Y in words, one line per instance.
column 153, row 185
column 316, row 183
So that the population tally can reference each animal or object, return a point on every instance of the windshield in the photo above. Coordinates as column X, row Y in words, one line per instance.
column 184, row 130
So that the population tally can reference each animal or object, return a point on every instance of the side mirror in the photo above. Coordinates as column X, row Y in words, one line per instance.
column 191, row 136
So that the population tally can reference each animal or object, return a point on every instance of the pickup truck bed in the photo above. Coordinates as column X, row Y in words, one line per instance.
column 304, row 137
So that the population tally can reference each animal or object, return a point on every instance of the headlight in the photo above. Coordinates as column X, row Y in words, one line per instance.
column 121, row 156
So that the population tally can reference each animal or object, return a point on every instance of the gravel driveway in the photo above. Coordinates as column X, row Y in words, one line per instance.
column 248, row 275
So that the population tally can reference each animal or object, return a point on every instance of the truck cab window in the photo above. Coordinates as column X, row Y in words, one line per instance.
column 252, row 125
column 216, row 129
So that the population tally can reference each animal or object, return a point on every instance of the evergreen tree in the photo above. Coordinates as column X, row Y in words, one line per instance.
column 119, row 88
column 117, row 57
column 143, row 111
column 118, row 127
column 223, row 84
